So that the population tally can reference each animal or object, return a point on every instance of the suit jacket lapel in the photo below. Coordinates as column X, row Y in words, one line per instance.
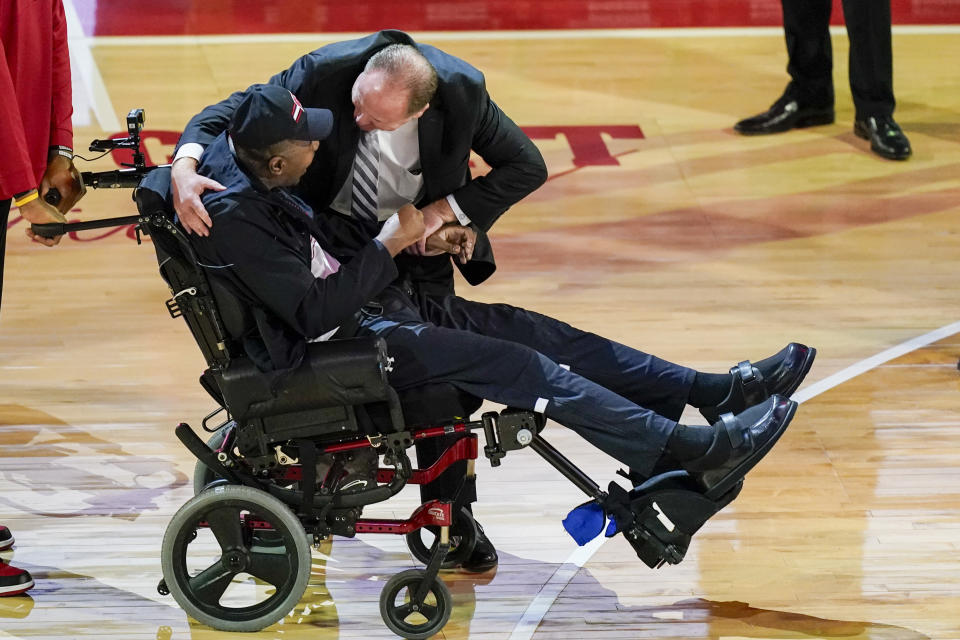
column 348, row 135
column 430, row 130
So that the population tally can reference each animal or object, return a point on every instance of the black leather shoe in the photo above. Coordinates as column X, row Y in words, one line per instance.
column 749, row 387
column 751, row 435
column 484, row 556
column 785, row 114
column 885, row 136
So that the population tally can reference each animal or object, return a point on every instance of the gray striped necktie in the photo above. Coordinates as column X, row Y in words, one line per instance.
column 366, row 167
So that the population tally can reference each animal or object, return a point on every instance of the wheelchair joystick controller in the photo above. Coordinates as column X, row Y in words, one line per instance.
column 128, row 177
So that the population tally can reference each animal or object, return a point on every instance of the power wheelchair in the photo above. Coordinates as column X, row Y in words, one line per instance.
column 298, row 456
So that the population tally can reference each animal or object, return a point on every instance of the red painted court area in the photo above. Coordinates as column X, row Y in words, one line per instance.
column 203, row 17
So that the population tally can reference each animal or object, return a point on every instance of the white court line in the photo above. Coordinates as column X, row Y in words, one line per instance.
column 84, row 63
column 549, row 34
column 872, row 362
column 544, row 600
column 541, row 604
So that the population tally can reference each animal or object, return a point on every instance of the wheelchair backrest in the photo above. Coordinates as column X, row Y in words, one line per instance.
column 211, row 312
column 319, row 394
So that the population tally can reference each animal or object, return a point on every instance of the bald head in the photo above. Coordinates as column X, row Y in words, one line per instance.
column 396, row 86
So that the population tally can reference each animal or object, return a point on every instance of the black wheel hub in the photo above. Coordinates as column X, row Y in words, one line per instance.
column 236, row 560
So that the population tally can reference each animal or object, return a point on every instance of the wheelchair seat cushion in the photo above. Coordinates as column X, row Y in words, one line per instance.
column 334, row 373
column 429, row 404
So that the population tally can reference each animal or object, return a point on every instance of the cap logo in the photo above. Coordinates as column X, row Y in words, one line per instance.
column 297, row 110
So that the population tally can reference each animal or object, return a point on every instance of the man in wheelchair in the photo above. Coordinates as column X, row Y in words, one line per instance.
column 312, row 417
column 268, row 246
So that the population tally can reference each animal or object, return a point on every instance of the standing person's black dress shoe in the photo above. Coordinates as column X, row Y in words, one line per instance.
column 885, row 136
column 785, row 114
column 484, row 556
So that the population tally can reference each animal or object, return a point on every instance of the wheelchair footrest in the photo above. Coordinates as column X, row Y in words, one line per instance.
column 660, row 517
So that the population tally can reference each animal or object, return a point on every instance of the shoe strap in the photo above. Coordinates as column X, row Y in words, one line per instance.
column 745, row 370
column 734, row 432
column 751, row 381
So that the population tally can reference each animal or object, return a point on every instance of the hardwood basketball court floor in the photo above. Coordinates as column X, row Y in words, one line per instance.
column 659, row 227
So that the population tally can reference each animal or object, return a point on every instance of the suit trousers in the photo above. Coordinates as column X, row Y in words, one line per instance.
column 806, row 27
column 621, row 400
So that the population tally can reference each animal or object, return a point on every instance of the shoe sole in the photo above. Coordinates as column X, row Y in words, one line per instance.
column 718, row 490
column 478, row 569
column 16, row 590
column 889, row 156
column 804, row 123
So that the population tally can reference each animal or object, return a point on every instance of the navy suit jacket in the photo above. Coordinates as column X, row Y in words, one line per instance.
column 461, row 117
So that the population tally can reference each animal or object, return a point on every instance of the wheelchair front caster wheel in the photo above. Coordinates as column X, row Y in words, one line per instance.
column 235, row 558
column 411, row 619
column 463, row 539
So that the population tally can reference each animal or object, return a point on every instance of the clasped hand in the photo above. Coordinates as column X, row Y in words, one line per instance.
column 407, row 229
column 64, row 177
column 454, row 239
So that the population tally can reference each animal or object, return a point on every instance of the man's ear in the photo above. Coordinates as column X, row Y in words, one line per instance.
column 420, row 113
column 276, row 165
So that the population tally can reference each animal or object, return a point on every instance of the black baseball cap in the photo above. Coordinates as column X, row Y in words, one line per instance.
column 269, row 113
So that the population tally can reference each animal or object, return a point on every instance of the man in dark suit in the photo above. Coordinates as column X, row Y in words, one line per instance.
column 426, row 142
column 808, row 99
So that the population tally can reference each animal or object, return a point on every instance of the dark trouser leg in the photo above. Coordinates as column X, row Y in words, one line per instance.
column 4, row 215
column 871, row 56
column 516, row 375
column 444, row 487
column 641, row 378
column 806, row 26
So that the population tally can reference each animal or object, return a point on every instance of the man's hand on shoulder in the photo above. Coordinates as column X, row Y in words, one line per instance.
column 187, row 186
column 402, row 229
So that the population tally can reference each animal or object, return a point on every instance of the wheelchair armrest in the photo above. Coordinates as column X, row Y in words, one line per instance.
column 334, row 373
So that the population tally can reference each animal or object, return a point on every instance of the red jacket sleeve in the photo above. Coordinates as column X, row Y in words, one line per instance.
column 16, row 173
column 61, row 110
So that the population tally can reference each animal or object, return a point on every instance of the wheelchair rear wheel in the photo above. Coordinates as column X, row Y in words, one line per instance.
column 463, row 539
column 411, row 619
column 235, row 558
